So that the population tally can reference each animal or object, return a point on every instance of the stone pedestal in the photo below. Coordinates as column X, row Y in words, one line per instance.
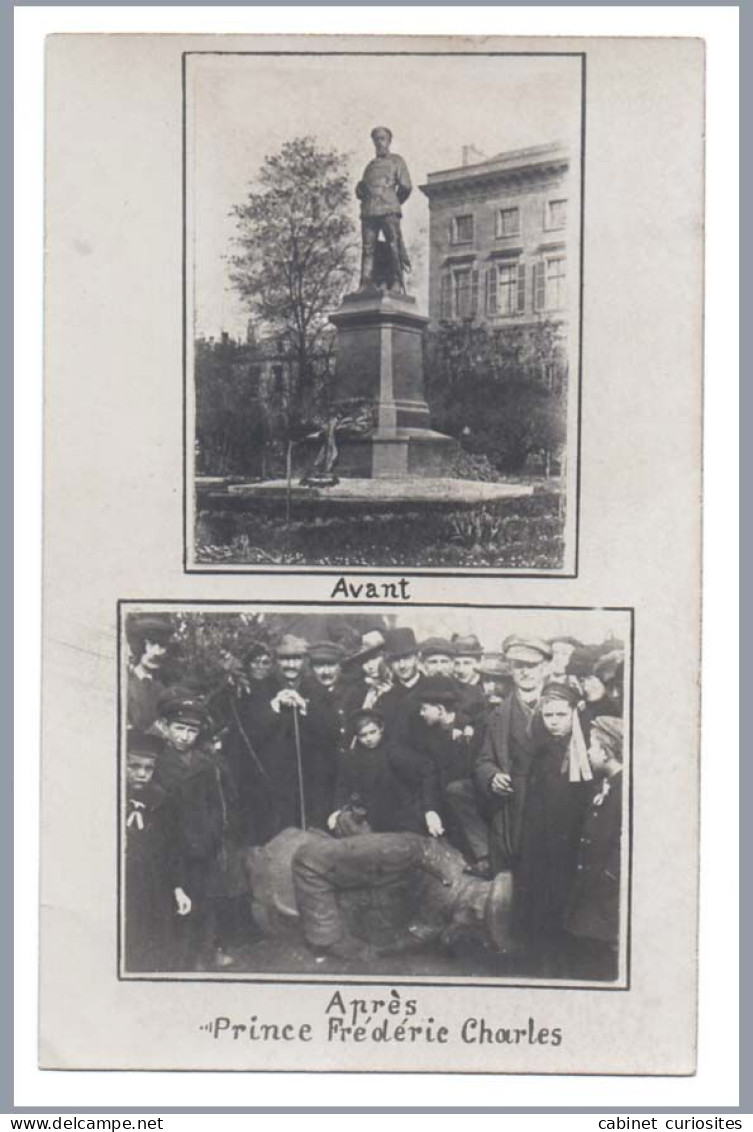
column 380, row 363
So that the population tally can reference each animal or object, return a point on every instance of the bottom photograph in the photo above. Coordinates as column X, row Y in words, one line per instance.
column 432, row 793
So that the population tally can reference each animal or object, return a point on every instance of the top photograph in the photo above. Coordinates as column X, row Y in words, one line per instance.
column 382, row 311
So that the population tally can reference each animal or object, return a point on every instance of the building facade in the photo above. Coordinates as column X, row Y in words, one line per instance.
column 498, row 238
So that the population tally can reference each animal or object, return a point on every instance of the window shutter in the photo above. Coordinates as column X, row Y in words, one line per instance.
column 474, row 293
column 445, row 309
column 521, row 288
column 491, row 291
column 539, row 285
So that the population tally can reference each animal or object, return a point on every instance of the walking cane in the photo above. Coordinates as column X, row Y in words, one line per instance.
column 299, row 765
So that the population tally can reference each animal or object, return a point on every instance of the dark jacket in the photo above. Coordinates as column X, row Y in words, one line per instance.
column 279, row 738
column 392, row 784
column 593, row 910
column 552, row 820
column 472, row 705
column 204, row 796
column 509, row 742
column 153, row 870
column 143, row 700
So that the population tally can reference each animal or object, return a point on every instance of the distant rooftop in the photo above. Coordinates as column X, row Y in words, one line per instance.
column 511, row 161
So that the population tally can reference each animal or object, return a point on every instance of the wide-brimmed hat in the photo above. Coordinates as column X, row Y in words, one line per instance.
column 467, row 646
column 436, row 646
column 400, row 642
column 611, row 667
column 582, row 662
column 291, row 646
column 326, row 652
column 609, row 730
column 532, row 649
column 372, row 643
column 257, row 649
column 149, row 628
column 437, row 690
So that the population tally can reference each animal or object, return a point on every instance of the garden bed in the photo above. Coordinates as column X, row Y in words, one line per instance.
column 518, row 532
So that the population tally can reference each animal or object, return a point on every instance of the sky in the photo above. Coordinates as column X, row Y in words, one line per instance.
column 241, row 108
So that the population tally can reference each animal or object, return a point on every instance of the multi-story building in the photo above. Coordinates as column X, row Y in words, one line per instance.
column 498, row 237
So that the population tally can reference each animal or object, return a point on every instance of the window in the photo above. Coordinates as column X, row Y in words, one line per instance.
column 556, row 214
column 458, row 295
column 462, row 293
column 556, row 283
column 508, row 222
column 505, row 289
column 462, row 229
column 550, row 284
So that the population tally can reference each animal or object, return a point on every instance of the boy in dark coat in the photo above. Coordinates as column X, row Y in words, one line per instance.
column 395, row 786
column 200, row 787
column 593, row 912
column 153, row 874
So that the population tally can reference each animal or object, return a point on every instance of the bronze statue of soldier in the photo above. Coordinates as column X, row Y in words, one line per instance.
column 382, row 190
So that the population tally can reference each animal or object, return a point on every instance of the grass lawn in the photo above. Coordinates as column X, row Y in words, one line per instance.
column 523, row 532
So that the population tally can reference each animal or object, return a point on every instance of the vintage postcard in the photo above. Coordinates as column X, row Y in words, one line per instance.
column 372, row 554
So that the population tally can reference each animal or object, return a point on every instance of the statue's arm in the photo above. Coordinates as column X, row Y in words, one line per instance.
column 404, row 185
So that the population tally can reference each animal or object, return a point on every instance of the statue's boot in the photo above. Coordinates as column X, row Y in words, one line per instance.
column 367, row 269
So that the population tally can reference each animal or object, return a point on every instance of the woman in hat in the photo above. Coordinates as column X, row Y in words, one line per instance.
column 593, row 911
column 558, row 791
column 149, row 640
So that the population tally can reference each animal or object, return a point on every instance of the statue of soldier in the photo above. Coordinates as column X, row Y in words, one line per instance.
column 384, row 187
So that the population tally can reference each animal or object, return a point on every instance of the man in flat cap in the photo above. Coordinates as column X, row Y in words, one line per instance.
column 491, row 814
column 465, row 670
column 382, row 190
column 149, row 639
column 330, row 689
column 437, row 656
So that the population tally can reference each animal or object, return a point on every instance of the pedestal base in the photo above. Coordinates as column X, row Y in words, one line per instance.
column 380, row 365
column 397, row 454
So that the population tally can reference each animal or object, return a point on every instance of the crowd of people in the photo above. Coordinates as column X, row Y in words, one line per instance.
column 514, row 755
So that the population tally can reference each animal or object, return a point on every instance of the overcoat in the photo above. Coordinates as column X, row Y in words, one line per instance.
column 152, row 873
column 509, row 742
column 593, row 910
column 205, row 800
column 297, row 751
column 552, row 821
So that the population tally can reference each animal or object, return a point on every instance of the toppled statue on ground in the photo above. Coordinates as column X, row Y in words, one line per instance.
column 375, row 894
